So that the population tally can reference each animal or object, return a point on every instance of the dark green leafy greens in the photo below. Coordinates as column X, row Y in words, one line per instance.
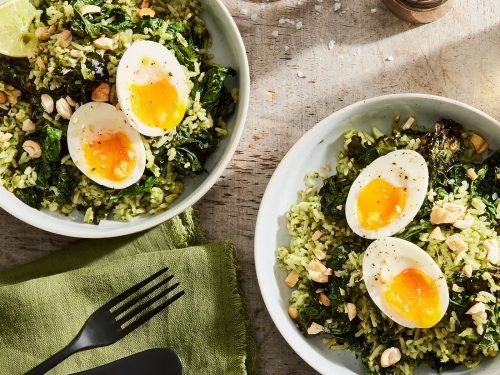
column 50, row 172
column 111, row 19
column 135, row 189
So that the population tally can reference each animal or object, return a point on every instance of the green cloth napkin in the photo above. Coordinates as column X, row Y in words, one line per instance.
column 44, row 304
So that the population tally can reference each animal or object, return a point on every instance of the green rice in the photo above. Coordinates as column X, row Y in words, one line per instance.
column 50, row 64
column 459, row 338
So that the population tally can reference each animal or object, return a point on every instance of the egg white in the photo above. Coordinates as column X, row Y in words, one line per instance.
column 402, row 168
column 97, row 118
column 131, row 70
column 387, row 257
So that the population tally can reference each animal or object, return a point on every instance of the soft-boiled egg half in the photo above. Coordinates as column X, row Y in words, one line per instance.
column 152, row 88
column 387, row 194
column 104, row 146
column 405, row 283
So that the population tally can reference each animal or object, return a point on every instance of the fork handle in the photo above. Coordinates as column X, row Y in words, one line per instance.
column 50, row 363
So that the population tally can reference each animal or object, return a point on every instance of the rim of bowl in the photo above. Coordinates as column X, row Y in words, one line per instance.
column 306, row 352
column 35, row 217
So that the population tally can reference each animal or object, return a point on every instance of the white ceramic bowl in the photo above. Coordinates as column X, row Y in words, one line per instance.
column 316, row 148
column 227, row 49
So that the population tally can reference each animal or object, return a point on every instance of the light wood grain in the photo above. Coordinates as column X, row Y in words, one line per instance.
column 456, row 56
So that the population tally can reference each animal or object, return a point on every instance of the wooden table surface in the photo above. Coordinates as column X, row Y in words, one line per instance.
column 308, row 60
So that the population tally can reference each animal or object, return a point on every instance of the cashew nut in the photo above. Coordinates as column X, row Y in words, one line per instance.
column 64, row 109
column 64, row 38
column 324, row 300
column 104, row 43
column 28, row 126
column 292, row 279
column 467, row 270
column 455, row 243
column 70, row 101
column 471, row 173
column 493, row 251
column 480, row 145
column 351, row 311
column 478, row 308
column 3, row 97
column 101, row 93
column 320, row 254
column 447, row 214
column 314, row 329
column 32, row 148
column 145, row 12
column 293, row 312
column 436, row 234
column 319, row 272
column 89, row 9
column 390, row 357
column 4, row 137
column 145, row 4
column 47, row 103
column 43, row 33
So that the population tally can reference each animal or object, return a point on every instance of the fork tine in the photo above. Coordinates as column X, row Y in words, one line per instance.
column 129, row 315
column 133, row 301
column 133, row 289
column 144, row 318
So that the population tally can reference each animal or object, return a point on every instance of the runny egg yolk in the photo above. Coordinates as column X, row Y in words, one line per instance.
column 415, row 296
column 379, row 203
column 110, row 155
column 157, row 104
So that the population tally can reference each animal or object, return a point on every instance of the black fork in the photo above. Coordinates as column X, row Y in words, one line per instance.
column 114, row 320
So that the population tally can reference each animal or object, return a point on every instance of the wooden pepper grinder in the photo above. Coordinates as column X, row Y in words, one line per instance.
column 419, row 11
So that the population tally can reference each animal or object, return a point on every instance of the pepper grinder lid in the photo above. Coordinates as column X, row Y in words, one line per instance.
column 419, row 11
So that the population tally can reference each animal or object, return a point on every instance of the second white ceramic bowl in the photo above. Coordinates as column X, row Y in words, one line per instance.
column 318, row 147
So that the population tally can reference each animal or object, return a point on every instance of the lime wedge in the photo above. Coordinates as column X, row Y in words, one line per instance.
column 15, row 19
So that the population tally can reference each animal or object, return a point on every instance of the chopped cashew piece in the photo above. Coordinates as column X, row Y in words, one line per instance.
column 64, row 109
column 89, row 9
column 467, row 270
column 324, row 300
column 28, row 126
column 42, row 33
column 4, row 137
column 390, row 357
column 293, row 312
column 478, row 308
column 70, row 101
column 104, row 43
column 455, row 243
column 64, row 38
column 449, row 213
column 3, row 97
column 480, row 145
column 315, row 328
column 437, row 235
column 493, row 251
column 76, row 53
column 145, row 12
column 32, row 148
column 292, row 279
column 408, row 124
column 464, row 223
column 145, row 4
column 471, row 173
column 319, row 272
column 47, row 103
column 316, row 236
column 101, row 93
column 320, row 254
column 351, row 311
